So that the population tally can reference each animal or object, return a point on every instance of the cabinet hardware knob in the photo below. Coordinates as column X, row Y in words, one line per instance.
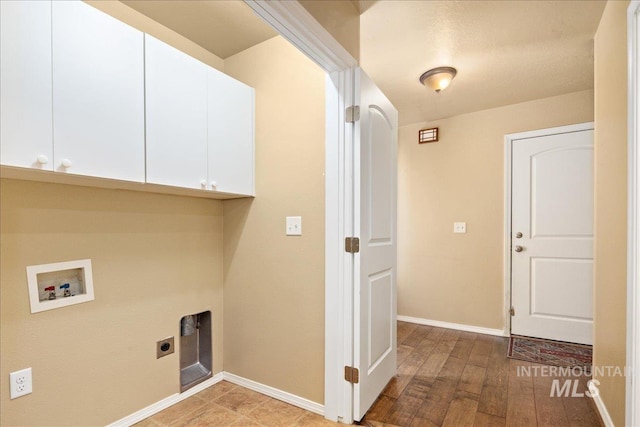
column 519, row 248
column 66, row 163
column 203, row 182
column 42, row 159
column 214, row 184
column 518, row 235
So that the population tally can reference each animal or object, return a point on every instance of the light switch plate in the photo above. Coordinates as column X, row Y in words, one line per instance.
column 459, row 227
column 294, row 226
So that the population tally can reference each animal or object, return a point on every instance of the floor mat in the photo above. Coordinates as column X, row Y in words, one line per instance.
column 549, row 352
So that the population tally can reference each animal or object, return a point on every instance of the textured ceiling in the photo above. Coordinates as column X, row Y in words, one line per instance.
column 505, row 52
column 223, row 27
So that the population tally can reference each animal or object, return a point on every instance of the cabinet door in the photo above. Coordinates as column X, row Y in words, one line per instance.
column 231, row 134
column 25, row 84
column 176, row 105
column 98, row 93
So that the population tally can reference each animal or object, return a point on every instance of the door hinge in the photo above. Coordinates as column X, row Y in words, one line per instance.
column 352, row 114
column 352, row 245
column 512, row 311
column 351, row 375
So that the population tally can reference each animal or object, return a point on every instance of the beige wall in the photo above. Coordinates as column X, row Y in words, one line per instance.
column 341, row 19
column 459, row 277
column 610, row 202
column 143, row 23
column 155, row 258
column 274, row 284
column 158, row 257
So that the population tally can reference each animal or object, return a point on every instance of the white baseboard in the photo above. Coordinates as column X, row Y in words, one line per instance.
column 604, row 414
column 154, row 408
column 292, row 399
column 457, row 326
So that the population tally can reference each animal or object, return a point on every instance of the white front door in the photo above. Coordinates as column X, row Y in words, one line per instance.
column 552, row 235
column 375, row 193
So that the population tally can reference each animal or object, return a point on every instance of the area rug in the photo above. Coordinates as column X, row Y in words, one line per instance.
column 547, row 352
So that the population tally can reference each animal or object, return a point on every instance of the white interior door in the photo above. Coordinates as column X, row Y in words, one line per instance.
column 375, row 193
column 552, row 236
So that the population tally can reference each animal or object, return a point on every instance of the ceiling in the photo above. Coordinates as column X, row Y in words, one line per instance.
column 505, row 51
column 223, row 27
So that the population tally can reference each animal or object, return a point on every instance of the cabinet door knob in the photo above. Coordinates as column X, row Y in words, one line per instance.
column 213, row 184
column 203, row 183
column 42, row 159
column 66, row 163
column 519, row 249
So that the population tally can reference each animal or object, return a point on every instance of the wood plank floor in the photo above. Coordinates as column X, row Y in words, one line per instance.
column 453, row 379
column 445, row 378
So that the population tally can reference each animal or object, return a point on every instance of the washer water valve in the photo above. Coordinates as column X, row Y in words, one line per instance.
column 52, row 291
column 66, row 292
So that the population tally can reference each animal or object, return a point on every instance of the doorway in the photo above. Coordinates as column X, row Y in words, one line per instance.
column 345, row 208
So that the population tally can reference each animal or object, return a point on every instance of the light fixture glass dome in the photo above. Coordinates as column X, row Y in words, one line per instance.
column 438, row 78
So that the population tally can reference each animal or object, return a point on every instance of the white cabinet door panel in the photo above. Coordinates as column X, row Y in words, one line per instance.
column 25, row 84
column 231, row 134
column 98, row 93
column 176, row 105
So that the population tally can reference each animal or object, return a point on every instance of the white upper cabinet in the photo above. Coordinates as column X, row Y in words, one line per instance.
column 82, row 93
column 98, row 94
column 176, row 105
column 231, row 134
column 25, row 84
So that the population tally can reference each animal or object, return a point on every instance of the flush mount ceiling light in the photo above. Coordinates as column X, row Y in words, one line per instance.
column 438, row 78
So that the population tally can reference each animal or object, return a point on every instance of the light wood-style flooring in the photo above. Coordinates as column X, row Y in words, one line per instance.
column 226, row 404
column 445, row 378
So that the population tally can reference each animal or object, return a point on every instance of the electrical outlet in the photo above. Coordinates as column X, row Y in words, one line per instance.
column 20, row 382
column 164, row 347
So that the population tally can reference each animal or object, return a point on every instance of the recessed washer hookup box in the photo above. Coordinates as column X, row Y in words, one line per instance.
column 59, row 284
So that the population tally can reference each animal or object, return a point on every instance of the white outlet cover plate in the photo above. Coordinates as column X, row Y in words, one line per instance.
column 21, row 383
column 459, row 227
column 294, row 226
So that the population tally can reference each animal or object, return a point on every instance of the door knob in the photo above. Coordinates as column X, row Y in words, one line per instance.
column 66, row 163
column 42, row 159
column 518, row 235
column 214, row 184
column 518, row 248
column 203, row 183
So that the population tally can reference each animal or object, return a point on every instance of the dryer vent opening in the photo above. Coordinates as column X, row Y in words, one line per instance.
column 195, row 349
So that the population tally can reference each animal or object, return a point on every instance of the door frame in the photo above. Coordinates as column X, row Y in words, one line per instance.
column 298, row 26
column 633, row 214
column 509, row 140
